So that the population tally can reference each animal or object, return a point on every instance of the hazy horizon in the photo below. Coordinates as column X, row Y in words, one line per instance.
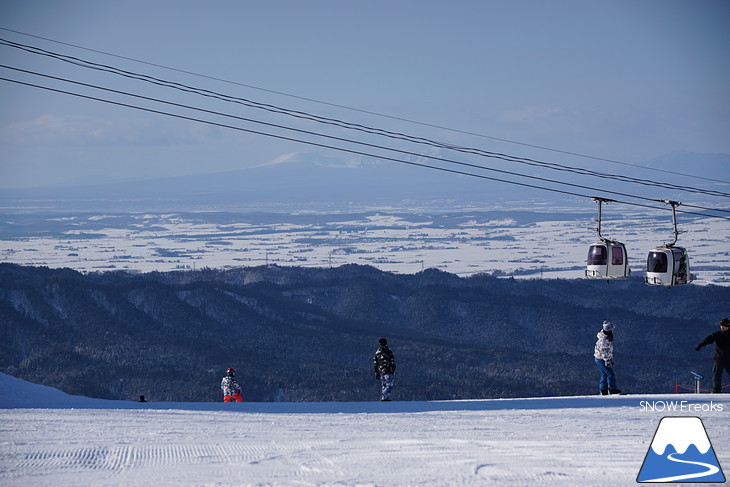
column 591, row 81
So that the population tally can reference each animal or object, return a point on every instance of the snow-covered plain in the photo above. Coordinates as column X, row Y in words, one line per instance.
column 538, row 244
column 50, row 438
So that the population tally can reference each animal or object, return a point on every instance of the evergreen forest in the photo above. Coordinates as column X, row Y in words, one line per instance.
column 309, row 334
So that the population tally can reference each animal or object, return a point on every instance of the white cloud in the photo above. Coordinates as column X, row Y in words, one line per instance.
column 89, row 131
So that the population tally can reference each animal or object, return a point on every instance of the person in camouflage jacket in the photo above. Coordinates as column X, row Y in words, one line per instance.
column 384, row 365
column 229, row 386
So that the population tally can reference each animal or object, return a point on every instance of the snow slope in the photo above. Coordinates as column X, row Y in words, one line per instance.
column 51, row 438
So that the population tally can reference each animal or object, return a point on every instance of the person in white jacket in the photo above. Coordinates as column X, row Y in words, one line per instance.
column 603, row 354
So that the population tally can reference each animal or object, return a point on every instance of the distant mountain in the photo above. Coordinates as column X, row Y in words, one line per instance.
column 304, row 334
column 290, row 180
column 299, row 179
column 710, row 166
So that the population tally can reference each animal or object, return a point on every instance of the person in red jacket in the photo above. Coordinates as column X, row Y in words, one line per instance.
column 229, row 386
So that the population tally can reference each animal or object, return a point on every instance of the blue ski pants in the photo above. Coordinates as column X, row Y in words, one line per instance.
column 608, row 377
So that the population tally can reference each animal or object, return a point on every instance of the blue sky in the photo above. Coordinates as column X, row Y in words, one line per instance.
column 622, row 80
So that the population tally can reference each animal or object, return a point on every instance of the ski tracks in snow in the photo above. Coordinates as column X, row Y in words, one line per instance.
column 505, row 447
column 157, row 447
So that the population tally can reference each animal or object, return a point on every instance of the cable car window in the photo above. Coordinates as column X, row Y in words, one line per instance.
column 680, row 257
column 597, row 255
column 656, row 262
column 617, row 256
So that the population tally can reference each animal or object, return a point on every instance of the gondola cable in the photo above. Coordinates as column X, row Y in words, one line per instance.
column 342, row 149
column 340, row 139
column 344, row 107
column 370, row 130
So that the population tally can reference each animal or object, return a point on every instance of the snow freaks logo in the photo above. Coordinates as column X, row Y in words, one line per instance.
column 680, row 406
column 680, row 452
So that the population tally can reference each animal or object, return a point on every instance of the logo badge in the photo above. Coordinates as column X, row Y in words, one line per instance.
column 680, row 452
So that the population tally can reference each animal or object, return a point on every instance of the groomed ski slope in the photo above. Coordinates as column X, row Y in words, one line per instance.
column 54, row 439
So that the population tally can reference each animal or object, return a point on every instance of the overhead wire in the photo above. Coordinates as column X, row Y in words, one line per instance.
column 340, row 139
column 402, row 119
column 358, row 127
column 277, row 136
column 328, row 146
column 203, row 92
column 371, row 130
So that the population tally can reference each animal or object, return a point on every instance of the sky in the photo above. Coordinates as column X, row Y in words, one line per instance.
column 621, row 80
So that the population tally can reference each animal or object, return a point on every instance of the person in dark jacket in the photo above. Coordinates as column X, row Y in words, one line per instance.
column 384, row 364
column 721, row 339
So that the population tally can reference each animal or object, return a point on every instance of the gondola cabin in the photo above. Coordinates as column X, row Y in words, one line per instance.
column 668, row 266
column 607, row 260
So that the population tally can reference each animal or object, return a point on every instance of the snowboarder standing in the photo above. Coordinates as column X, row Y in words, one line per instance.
column 603, row 354
column 229, row 386
column 384, row 364
column 721, row 339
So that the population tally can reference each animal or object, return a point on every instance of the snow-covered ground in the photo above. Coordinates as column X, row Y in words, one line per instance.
column 50, row 438
column 550, row 245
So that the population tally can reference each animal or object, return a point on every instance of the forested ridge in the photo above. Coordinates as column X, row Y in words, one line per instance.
column 304, row 334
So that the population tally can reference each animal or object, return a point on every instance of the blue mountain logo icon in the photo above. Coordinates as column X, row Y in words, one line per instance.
column 680, row 452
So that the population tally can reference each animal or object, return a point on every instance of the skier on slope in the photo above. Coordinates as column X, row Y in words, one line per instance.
column 384, row 364
column 603, row 354
column 229, row 386
column 721, row 339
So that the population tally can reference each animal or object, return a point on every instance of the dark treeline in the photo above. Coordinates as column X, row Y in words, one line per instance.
column 302, row 334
